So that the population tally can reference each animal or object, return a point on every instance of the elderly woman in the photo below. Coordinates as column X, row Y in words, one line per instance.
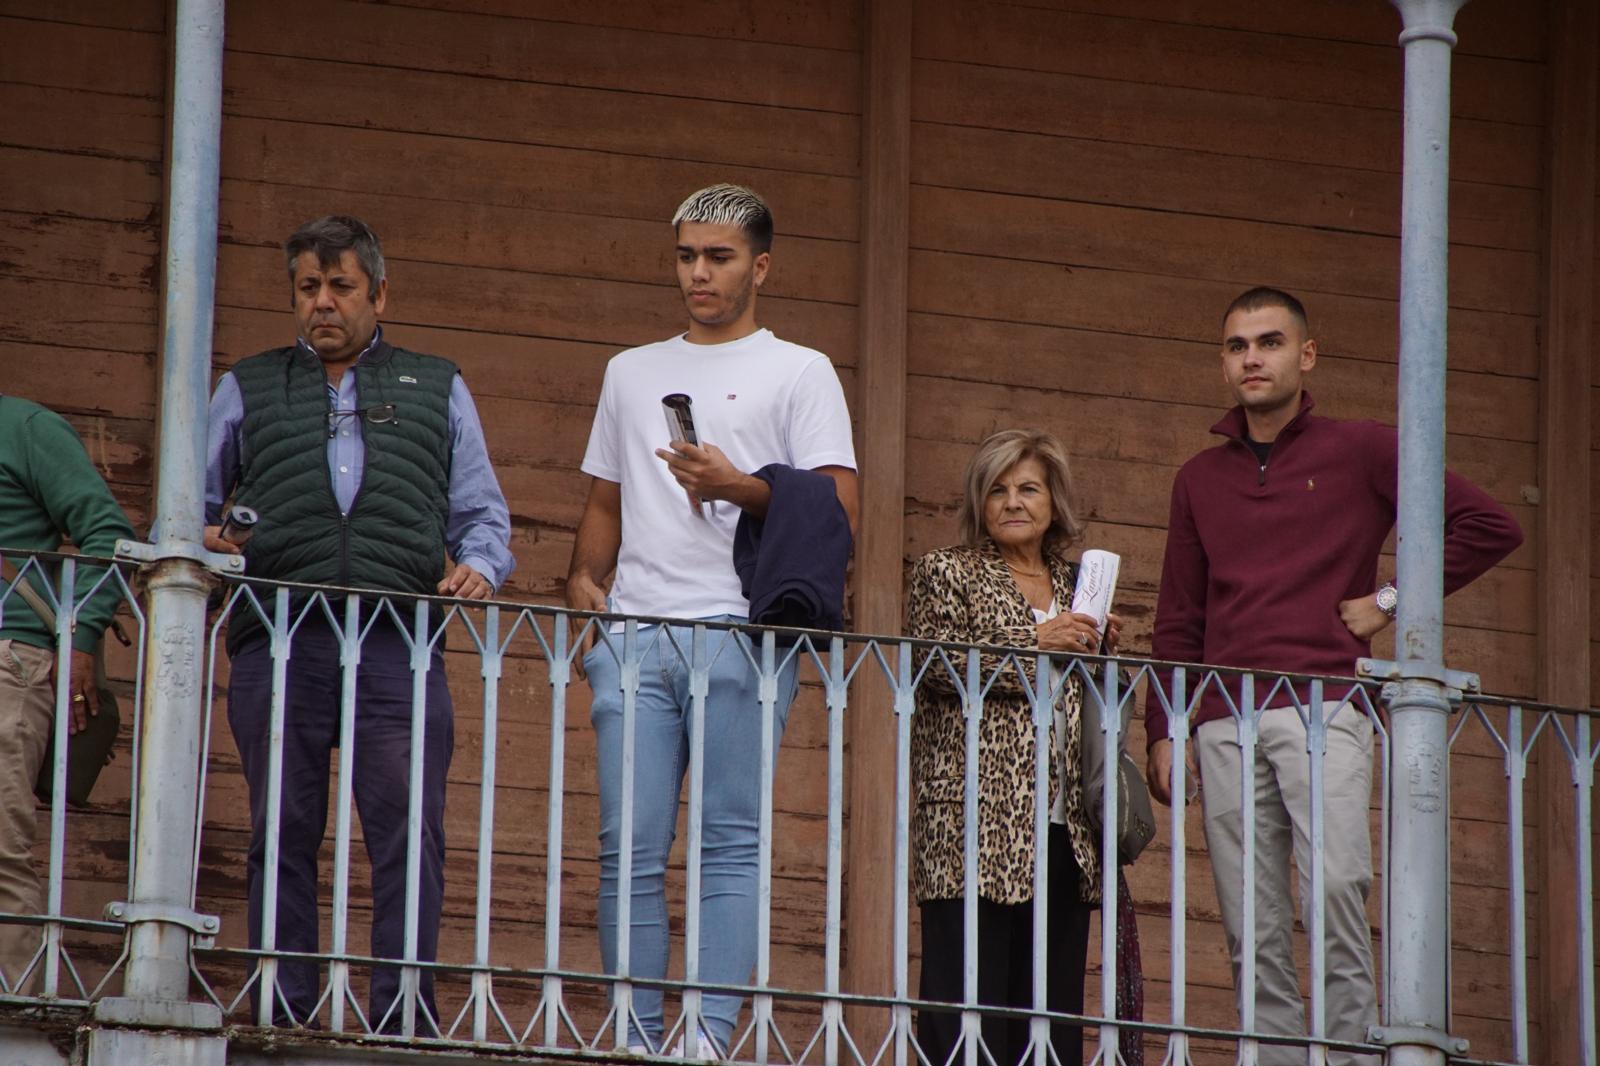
column 1007, row 583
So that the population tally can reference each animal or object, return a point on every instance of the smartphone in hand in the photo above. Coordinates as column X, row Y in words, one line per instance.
column 679, row 409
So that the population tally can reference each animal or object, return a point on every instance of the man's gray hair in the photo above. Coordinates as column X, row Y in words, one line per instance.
column 329, row 237
column 730, row 205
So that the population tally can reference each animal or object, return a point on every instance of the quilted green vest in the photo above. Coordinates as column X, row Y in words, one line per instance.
column 393, row 538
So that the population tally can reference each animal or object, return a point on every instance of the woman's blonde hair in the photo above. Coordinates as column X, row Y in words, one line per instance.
column 999, row 453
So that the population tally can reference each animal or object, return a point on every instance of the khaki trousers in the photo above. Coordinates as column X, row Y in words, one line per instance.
column 1282, row 785
column 27, row 706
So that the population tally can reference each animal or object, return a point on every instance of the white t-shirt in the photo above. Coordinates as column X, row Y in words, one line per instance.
column 761, row 400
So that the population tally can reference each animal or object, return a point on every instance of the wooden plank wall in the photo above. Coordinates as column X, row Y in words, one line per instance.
column 1092, row 181
column 521, row 161
column 81, row 146
column 82, row 136
column 1565, row 478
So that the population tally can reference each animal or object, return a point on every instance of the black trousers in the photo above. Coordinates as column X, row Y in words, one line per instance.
column 381, row 792
column 1005, row 965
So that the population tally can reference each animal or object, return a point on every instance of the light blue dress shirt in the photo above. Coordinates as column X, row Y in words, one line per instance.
column 478, row 526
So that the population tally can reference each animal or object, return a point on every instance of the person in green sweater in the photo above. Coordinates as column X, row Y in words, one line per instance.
column 49, row 490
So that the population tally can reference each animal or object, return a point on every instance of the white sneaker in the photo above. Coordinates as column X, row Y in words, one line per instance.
column 638, row 1049
column 708, row 1049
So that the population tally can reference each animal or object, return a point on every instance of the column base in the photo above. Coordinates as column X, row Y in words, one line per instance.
column 129, row 1047
column 156, row 1014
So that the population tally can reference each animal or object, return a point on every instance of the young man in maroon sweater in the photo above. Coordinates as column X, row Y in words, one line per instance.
column 1272, row 564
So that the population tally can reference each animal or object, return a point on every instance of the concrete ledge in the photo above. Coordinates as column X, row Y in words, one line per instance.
column 144, row 1047
column 42, row 1044
column 254, row 1046
column 157, row 1013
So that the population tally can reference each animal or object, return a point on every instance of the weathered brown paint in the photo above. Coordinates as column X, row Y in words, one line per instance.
column 1566, row 498
column 1077, row 216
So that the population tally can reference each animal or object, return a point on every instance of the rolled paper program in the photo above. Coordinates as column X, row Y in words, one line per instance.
column 1097, row 585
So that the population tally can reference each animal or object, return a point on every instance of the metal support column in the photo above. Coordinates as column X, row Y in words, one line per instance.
column 160, row 913
column 1418, row 699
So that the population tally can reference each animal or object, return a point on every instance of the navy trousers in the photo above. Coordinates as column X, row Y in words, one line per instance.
column 382, row 772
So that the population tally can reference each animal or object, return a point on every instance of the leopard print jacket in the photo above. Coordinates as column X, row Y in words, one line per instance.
column 966, row 595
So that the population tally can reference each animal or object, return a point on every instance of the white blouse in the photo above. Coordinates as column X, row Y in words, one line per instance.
column 1058, row 809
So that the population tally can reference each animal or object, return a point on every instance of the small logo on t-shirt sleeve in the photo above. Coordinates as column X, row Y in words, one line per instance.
column 733, row 395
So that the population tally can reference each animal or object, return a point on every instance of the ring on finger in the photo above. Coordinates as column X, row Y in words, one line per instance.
column 78, row 698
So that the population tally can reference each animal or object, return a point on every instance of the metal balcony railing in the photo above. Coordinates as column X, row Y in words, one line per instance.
column 518, row 967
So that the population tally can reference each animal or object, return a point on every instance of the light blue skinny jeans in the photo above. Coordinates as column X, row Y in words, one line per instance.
column 731, row 807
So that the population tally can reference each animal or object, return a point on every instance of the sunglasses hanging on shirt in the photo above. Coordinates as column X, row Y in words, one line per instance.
column 378, row 414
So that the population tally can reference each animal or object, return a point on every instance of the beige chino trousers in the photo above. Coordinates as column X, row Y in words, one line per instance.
column 1282, row 785
column 27, row 706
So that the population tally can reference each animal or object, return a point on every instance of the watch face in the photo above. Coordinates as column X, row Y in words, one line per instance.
column 1388, row 600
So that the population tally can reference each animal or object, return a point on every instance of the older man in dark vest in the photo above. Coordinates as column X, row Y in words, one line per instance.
column 367, row 466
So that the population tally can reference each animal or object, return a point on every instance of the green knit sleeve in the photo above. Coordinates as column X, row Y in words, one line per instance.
column 76, row 498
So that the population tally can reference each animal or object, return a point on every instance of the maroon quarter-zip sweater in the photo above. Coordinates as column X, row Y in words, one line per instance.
column 1259, row 556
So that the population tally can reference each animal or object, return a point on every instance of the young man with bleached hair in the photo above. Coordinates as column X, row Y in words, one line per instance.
column 659, row 526
column 1272, row 564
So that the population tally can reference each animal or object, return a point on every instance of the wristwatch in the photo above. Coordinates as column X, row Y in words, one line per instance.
column 1388, row 598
